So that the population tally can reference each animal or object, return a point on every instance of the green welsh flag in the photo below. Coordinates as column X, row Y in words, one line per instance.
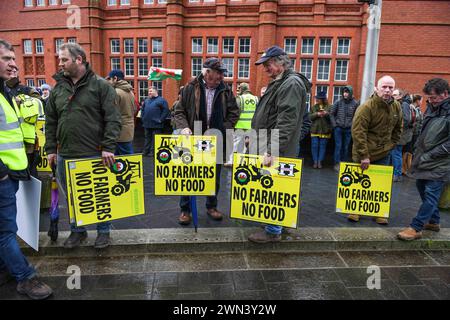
column 158, row 74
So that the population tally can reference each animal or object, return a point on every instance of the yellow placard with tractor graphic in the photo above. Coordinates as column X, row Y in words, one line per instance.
column 100, row 194
column 365, row 193
column 185, row 165
column 43, row 165
column 269, row 195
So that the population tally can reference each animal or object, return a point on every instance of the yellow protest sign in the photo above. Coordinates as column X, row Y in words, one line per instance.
column 101, row 194
column 185, row 165
column 43, row 165
column 365, row 193
column 266, row 194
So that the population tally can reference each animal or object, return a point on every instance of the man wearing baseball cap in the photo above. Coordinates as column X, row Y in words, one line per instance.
column 280, row 112
column 209, row 101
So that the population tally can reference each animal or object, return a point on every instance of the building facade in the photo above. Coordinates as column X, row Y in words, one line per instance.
column 324, row 38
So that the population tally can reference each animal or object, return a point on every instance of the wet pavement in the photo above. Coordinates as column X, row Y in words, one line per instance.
column 252, row 276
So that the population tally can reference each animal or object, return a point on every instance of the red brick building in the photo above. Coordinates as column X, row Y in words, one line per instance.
column 325, row 38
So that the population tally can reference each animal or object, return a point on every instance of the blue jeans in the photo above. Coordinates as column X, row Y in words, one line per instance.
column 318, row 148
column 124, row 148
column 383, row 161
column 430, row 192
column 103, row 227
column 342, row 138
column 271, row 229
column 396, row 154
column 211, row 201
column 11, row 257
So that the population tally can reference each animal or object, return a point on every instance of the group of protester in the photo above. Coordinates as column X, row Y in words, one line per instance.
column 88, row 116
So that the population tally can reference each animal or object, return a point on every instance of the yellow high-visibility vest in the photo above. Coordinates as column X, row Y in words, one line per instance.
column 248, row 105
column 12, row 148
column 30, row 109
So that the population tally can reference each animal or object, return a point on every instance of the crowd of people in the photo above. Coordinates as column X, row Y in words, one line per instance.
column 91, row 116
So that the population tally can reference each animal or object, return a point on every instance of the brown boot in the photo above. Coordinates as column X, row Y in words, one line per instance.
column 382, row 221
column 264, row 237
column 185, row 218
column 432, row 227
column 409, row 234
column 353, row 217
column 215, row 214
column 34, row 289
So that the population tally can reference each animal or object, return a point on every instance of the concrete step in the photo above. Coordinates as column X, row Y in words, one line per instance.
column 234, row 240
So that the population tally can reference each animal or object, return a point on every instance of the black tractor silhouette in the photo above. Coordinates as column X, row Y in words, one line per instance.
column 124, row 170
column 354, row 174
column 168, row 150
column 248, row 171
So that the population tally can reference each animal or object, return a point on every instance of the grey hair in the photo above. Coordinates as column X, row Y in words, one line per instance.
column 75, row 50
column 283, row 60
column 205, row 70
column 5, row 44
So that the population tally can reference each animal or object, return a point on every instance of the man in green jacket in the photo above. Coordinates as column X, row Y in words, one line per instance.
column 431, row 160
column 376, row 129
column 82, row 121
column 280, row 112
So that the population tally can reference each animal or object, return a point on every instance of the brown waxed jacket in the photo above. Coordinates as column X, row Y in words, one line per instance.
column 376, row 129
column 127, row 109
column 188, row 108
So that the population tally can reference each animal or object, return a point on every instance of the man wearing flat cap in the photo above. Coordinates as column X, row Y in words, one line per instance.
column 280, row 111
column 208, row 100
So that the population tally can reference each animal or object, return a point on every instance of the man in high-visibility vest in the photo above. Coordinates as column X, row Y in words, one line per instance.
column 30, row 107
column 13, row 167
column 247, row 103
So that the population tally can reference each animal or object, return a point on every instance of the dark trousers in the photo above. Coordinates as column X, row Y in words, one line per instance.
column 211, row 201
column 150, row 140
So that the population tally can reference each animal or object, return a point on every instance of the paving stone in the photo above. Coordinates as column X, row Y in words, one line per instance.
column 273, row 276
column 442, row 257
column 356, row 277
column 165, row 293
column 91, row 266
column 403, row 276
column 426, row 272
column 194, row 262
column 193, row 282
column 390, row 291
column 365, row 294
column 222, row 291
column 280, row 291
column 220, row 278
column 252, row 295
column 335, row 291
column 165, row 279
column 248, row 280
column 293, row 260
column 440, row 289
column 418, row 293
column 314, row 275
column 195, row 296
column 386, row 258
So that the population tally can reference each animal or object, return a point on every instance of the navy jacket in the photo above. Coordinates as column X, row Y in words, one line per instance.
column 154, row 112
